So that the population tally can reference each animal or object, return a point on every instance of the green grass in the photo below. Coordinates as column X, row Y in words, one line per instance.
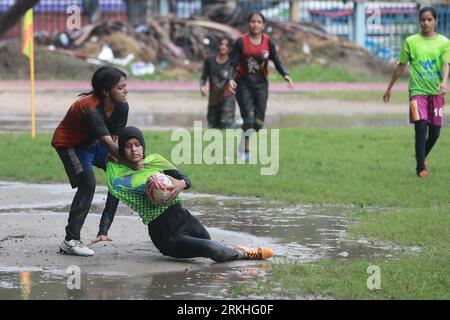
column 324, row 73
column 304, row 73
column 411, row 227
column 362, row 167
column 397, row 97
column 409, row 276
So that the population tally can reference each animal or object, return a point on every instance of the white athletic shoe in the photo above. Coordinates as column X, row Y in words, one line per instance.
column 76, row 248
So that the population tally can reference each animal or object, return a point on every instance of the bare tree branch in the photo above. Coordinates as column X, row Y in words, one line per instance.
column 12, row 16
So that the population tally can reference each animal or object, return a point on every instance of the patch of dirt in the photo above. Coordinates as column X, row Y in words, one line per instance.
column 14, row 65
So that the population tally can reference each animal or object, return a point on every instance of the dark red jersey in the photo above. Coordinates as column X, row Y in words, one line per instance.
column 248, row 59
column 86, row 121
column 254, row 58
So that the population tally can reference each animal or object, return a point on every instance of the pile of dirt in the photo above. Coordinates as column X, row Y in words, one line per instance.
column 14, row 65
column 302, row 44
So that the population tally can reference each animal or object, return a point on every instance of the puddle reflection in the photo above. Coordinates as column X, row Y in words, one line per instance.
column 193, row 285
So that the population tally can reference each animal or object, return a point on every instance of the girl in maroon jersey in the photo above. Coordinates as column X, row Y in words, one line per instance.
column 82, row 140
column 249, row 61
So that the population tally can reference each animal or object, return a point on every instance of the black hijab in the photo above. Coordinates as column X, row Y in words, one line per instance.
column 126, row 134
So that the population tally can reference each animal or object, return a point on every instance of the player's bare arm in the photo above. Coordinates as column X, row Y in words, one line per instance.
column 397, row 73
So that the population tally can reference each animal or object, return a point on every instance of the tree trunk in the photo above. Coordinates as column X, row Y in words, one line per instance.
column 12, row 16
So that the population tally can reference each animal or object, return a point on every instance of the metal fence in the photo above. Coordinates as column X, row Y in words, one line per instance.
column 387, row 23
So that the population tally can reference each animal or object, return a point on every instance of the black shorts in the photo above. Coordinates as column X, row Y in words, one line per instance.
column 82, row 158
column 252, row 99
column 174, row 221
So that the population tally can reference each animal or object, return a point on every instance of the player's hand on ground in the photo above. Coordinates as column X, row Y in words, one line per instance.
column 443, row 88
column 100, row 238
column 203, row 91
column 179, row 186
column 387, row 96
column 290, row 82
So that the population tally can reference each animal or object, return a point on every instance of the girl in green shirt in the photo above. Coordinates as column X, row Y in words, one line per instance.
column 428, row 54
column 172, row 228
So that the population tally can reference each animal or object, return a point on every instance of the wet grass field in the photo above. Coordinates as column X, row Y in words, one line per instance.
column 356, row 166
column 364, row 168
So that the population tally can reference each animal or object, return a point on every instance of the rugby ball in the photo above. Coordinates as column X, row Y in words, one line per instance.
column 159, row 188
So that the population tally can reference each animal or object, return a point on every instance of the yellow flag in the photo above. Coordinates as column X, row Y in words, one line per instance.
column 27, row 33
column 28, row 50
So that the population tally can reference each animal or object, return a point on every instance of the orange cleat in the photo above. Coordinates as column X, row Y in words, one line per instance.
column 425, row 165
column 423, row 174
column 257, row 253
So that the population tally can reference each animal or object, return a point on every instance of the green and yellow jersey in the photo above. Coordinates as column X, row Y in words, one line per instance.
column 129, row 186
column 426, row 57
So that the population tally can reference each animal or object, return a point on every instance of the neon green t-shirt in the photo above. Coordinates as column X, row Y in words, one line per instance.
column 426, row 58
column 129, row 185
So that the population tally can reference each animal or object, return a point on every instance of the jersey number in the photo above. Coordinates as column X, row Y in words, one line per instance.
column 438, row 112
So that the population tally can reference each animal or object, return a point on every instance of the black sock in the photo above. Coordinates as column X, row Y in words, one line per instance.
column 421, row 134
column 433, row 135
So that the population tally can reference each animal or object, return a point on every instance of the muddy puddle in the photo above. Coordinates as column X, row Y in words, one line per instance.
column 32, row 284
column 164, row 121
column 296, row 233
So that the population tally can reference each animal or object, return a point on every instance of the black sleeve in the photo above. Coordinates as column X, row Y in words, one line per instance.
column 108, row 215
column 96, row 124
column 206, row 72
column 276, row 59
column 120, row 118
column 177, row 174
column 235, row 55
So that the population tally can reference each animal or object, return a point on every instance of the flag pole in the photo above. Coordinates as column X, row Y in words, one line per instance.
column 28, row 50
column 33, row 99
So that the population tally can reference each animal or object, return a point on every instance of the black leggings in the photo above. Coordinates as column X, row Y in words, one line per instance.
column 81, row 205
column 252, row 100
column 423, row 143
column 178, row 234
column 188, row 246
column 221, row 115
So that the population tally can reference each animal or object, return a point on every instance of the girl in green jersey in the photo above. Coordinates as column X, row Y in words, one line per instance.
column 172, row 228
column 428, row 54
